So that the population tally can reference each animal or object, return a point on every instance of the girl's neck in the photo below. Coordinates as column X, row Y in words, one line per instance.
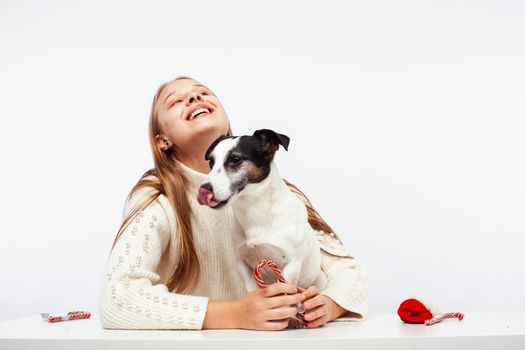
column 196, row 164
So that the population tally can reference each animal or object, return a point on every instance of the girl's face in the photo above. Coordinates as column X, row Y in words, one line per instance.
column 190, row 116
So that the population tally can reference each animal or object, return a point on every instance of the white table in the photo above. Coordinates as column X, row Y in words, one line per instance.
column 478, row 330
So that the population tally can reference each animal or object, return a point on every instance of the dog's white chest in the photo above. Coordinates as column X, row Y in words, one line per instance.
column 276, row 227
column 252, row 252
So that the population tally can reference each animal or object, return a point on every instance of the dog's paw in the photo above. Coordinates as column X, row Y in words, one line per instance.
column 295, row 323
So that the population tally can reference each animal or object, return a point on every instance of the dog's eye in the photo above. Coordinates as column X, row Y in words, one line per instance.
column 235, row 159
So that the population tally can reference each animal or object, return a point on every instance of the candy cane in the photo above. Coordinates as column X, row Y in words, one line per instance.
column 72, row 315
column 273, row 266
column 439, row 318
column 277, row 271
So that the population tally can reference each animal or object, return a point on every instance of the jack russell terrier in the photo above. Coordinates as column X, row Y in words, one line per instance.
column 273, row 218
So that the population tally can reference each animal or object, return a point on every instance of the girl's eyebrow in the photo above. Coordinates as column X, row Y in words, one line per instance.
column 171, row 93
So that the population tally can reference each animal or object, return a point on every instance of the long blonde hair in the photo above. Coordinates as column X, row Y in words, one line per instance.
column 167, row 179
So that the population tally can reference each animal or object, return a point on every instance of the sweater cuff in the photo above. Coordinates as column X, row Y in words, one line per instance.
column 341, row 291
column 347, row 286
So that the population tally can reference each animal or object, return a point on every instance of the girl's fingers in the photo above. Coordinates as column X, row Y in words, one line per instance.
column 310, row 292
column 276, row 325
column 284, row 300
column 278, row 288
column 315, row 313
column 317, row 322
column 281, row 313
column 314, row 302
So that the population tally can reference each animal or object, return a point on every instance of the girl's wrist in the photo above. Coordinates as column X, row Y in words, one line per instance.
column 221, row 314
column 335, row 310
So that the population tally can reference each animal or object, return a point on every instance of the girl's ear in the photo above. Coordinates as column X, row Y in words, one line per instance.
column 162, row 142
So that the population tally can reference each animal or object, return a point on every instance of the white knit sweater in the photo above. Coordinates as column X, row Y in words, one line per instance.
column 133, row 293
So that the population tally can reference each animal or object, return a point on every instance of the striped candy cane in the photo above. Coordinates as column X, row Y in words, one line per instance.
column 439, row 318
column 72, row 315
column 277, row 271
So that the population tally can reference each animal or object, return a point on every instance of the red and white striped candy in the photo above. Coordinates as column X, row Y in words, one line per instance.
column 439, row 318
column 277, row 271
column 72, row 315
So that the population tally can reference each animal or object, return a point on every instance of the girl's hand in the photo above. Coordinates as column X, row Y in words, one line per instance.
column 267, row 308
column 319, row 309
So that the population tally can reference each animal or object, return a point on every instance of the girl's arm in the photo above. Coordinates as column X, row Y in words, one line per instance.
column 263, row 309
column 130, row 295
column 347, row 279
column 132, row 298
column 220, row 315
column 345, row 296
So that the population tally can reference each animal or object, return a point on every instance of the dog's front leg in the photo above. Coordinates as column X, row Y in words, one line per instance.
column 291, row 272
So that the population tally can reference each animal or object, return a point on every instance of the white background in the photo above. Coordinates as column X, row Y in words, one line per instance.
column 406, row 122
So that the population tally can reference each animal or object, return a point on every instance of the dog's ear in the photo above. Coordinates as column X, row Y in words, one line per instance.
column 213, row 144
column 270, row 141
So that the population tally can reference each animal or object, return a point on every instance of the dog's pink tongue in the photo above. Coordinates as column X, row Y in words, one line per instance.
column 205, row 197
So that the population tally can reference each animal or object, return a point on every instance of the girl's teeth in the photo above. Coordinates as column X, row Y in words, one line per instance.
column 200, row 110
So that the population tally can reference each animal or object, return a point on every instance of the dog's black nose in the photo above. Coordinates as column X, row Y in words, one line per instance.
column 207, row 186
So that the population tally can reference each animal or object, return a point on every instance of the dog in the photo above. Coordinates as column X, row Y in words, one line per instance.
column 243, row 174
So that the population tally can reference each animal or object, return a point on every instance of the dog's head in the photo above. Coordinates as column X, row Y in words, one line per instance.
column 236, row 161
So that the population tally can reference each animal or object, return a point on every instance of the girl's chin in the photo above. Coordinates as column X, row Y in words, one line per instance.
column 203, row 124
column 207, row 122
column 206, row 126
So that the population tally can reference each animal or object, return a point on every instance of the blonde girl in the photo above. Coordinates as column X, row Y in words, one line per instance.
column 172, row 265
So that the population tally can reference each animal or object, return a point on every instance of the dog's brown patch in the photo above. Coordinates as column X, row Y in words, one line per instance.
column 255, row 173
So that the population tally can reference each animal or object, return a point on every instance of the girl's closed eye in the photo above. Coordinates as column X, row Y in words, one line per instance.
column 206, row 92
column 175, row 102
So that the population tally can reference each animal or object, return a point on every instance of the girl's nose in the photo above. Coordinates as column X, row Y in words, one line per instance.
column 193, row 97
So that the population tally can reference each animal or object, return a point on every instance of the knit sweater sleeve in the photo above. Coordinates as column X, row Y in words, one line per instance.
column 130, row 295
column 347, row 278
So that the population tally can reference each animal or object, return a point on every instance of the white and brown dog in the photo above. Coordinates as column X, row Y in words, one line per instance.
column 274, row 219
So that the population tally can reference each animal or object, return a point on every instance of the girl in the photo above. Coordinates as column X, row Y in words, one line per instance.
column 172, row 265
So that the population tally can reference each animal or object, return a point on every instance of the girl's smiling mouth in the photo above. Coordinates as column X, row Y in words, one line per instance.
column 199, row 111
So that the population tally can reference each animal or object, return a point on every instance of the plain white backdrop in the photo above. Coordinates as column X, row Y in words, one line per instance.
column 406, row 122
